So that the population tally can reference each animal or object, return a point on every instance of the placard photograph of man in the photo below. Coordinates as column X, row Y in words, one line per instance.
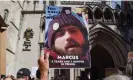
column 67, row 40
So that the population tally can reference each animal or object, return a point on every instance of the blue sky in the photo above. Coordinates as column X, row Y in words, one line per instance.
column 114, row 3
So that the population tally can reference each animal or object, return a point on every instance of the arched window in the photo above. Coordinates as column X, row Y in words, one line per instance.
column 90, row 15
column 98, row 13
column 108, row 14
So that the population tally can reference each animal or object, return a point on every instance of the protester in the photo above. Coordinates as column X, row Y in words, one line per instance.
column 23, row 74
column 117, row 77
column 38, row 74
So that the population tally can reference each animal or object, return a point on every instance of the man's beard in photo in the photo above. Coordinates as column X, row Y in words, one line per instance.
column 74, row 52
column 61, row 52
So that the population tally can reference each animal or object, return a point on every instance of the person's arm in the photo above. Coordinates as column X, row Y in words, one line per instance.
column 44, row 76
column 43, row 63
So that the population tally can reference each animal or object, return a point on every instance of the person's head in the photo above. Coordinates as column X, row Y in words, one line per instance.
column 117, row 77
column 38, row 74
column 8, row 78
column 23, row 74
column 67, row 35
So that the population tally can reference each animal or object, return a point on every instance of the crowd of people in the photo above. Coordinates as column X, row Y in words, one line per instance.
column 42, row 73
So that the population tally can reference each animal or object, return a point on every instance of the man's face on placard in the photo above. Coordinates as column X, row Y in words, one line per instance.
column 69, row 40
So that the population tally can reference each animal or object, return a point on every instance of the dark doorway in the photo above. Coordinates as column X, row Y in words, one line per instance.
column 100, row 59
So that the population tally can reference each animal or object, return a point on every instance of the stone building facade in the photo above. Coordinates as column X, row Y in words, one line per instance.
column 110, row 36
column 10, row 12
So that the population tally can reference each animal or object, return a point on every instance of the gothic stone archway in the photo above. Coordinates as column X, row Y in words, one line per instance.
column 107, row 49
